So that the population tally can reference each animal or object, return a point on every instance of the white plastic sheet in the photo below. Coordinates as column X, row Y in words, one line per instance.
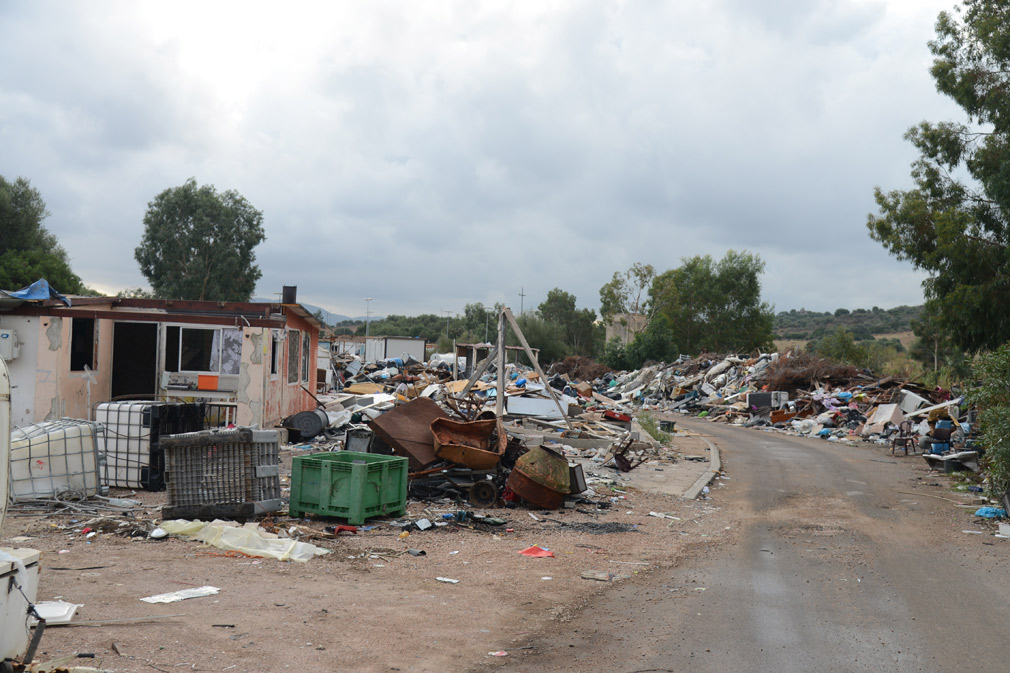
column 226, row 535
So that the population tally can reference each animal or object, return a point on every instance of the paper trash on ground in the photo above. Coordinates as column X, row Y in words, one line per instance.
column 182, row 595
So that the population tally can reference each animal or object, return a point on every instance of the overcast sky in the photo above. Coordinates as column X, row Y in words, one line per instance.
column 433, row 154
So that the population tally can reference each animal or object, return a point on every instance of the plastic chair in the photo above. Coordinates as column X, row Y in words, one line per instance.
column 941, row 437
column 905, row 438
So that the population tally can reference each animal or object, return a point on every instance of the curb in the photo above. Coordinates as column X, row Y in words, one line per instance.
column 715, row 467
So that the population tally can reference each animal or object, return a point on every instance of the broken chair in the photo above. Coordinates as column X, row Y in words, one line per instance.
column 905, row 438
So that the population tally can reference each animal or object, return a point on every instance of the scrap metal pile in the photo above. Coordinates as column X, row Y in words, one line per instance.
column 456, row 445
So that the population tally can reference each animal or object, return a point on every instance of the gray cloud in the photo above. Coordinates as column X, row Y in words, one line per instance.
column 437, row 155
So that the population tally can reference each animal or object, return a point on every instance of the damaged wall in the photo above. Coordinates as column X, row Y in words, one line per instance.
column 23, row 369
column 253, row 373
column 284, row 398
column 44, row 387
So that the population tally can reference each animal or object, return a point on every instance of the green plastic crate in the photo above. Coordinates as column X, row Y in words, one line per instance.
column 348, row 484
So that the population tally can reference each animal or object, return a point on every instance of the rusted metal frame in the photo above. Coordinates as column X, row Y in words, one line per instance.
column 131, row 316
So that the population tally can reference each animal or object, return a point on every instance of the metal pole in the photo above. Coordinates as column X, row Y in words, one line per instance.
column 368, row 315
column 500, row 400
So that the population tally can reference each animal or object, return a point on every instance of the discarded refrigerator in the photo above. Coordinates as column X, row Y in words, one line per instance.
column 19, row 568
column 222, row 474
column 133, row 430
column 55, row 459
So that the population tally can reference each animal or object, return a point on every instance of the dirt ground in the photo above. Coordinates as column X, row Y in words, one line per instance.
column 368, row 605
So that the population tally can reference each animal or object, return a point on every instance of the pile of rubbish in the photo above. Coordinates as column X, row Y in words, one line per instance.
column 799, row 394
column 456, row 445
column 459, row 447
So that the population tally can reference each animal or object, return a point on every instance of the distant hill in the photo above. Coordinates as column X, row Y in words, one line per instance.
column 328, row 318
column 863, row 323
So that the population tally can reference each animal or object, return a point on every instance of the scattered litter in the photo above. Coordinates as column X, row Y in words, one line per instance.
column 54, row 612
column 537, row 552
column 991, row 512
column 182, row 595
column 499, row 653
column 447, row 580
column 598, row 575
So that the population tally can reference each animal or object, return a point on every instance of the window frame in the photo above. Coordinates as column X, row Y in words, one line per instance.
column 306, row 351
column 92, row 360
column 176, row 367
column 294, row 340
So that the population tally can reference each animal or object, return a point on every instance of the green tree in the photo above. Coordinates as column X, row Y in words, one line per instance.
column 932, row 343
column 627, row 293
column 199, row 244
column 841, row 347
column 28, row 251
column 542, row 334
column 654, row 343
column 615, row 354
column 577, row 325
column 716, row 306
column 955, row 223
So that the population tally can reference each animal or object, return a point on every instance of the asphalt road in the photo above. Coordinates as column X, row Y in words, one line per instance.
column 828, row 567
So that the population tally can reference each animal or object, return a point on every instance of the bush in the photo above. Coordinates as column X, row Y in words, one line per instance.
column 992, row 397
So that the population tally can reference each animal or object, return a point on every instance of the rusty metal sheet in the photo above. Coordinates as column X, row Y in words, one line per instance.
column 476, row 444
column 407, row 430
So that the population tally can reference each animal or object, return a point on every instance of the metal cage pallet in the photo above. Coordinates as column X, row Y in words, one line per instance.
column 222, row 474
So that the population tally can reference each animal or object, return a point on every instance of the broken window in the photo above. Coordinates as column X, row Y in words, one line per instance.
column 275, row 352
column 212, row 350
column 306, row 343
column 82, row 344
column 294, row 341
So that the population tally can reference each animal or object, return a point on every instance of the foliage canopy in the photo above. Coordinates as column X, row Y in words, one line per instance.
column 28, row 251
column 955, row 223
column 199, row 244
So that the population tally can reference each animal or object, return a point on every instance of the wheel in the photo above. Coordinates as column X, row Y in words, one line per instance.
column 483, row 494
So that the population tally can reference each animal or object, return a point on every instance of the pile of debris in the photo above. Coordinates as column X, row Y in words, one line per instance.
column 799, row 394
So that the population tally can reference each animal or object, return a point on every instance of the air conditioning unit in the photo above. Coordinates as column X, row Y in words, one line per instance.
column 10, row 348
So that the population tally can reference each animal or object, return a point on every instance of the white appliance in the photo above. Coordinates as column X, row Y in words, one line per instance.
column 19, row 568
column 10, row 348
column 21, row 565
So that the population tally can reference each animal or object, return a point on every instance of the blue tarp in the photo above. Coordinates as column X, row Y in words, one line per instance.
column 37, row 291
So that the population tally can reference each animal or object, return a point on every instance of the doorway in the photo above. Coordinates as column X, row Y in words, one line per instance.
column 134, row 359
